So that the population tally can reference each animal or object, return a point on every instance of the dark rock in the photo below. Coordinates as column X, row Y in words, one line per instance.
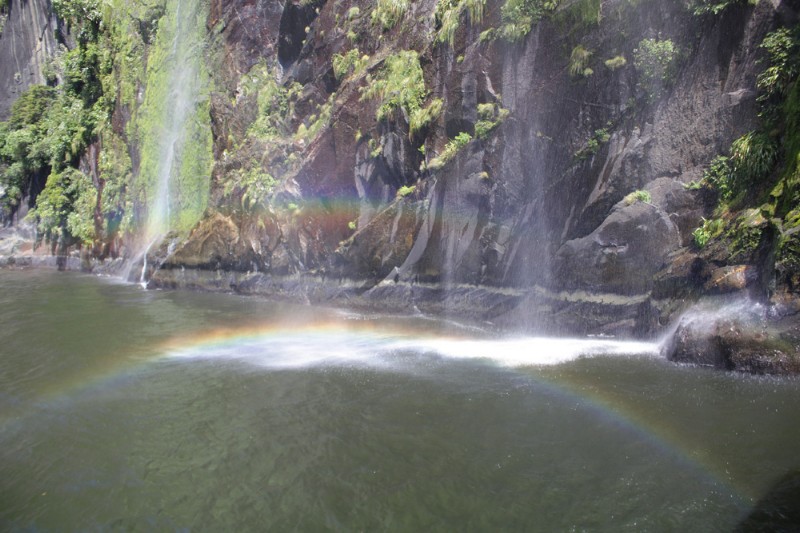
column 732, row 278
column 221, row 243
column 27, row 42
column 777, row 510
column 735, row 342
column 622, row 254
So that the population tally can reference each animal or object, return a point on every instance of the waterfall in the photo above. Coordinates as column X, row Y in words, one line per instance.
column 174, row 130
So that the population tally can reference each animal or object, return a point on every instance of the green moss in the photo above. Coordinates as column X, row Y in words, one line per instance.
column 66, row 207
column 520, row 16
column 315, row 122
column 116, row 169
column 578, row 15
column 490, row 115
column 598, row 138
column 251, row 187
column 191, row 170
column 745, row 235
column 423, row 116
column 350, row 62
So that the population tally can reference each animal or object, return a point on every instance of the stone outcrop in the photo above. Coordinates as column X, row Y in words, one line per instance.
column 736, row 342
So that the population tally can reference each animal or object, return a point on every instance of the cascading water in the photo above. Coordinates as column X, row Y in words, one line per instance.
column 174, row 129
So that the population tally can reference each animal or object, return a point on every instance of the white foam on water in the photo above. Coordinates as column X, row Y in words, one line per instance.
column 388, row 351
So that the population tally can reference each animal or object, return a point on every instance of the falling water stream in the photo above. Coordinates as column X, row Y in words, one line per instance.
column 175, row 89
column 149, row 410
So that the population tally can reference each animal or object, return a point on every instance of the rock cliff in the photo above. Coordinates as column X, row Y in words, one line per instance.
column 27, row 42
column 548, row 172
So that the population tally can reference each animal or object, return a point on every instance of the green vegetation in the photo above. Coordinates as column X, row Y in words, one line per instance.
column 450, row 150
column 65, row 208
column 753, row 157
column 405, row 190
column 578, row 15
column 638, row 196
column 579, row 62
column 275, row 103
column 762, row 168
column 598, row 138
column 616, row 62
column 400, row 86
column 490, row 115
column 252, row 185
column 715, row 7
column 656, row 61
column 350, row 63
column 718, row 176
column 316, row 122
column 448, row 14
column 518, row 17
column 51, row 127
column 388, row 13
column 775, row 82
column 709, row 230
column 745, row 234
column 423, row 116
column 176, row 50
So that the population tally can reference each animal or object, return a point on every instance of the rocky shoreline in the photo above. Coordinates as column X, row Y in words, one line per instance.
column 731, row 333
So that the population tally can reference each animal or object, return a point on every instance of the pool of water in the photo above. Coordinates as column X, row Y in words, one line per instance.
column 128, row 409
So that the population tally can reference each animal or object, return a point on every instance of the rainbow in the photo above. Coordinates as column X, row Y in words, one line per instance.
column 347, row 342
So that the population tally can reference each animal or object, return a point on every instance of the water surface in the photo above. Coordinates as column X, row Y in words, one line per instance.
column 138, row 410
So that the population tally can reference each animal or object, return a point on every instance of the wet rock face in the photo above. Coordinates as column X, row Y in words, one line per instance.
column 295, row 20
column 249, row 34
column 623, row 253
column 538, row 205
column 26, row 43
column 755, row 347
column 223, row 243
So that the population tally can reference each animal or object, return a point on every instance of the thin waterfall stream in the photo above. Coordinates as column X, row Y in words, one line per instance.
column 177, row 85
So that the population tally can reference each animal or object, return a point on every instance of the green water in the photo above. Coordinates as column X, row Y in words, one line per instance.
column 123, row 409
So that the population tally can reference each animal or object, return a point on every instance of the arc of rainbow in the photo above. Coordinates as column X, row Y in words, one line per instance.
column 207, row 343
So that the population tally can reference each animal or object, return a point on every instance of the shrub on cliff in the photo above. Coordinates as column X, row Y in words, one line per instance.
column 715, row 7
column 656, row 62
column 400, row 86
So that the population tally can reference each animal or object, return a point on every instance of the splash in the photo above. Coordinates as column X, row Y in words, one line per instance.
column 332, row 344
column 359, row 344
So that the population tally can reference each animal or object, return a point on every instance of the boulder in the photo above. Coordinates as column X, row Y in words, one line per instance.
column 623, row 254
column 737, row 343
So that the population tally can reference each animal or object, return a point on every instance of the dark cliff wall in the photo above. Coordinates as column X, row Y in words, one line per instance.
column 379, row 154
column 27, row 41
column 535, row 210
